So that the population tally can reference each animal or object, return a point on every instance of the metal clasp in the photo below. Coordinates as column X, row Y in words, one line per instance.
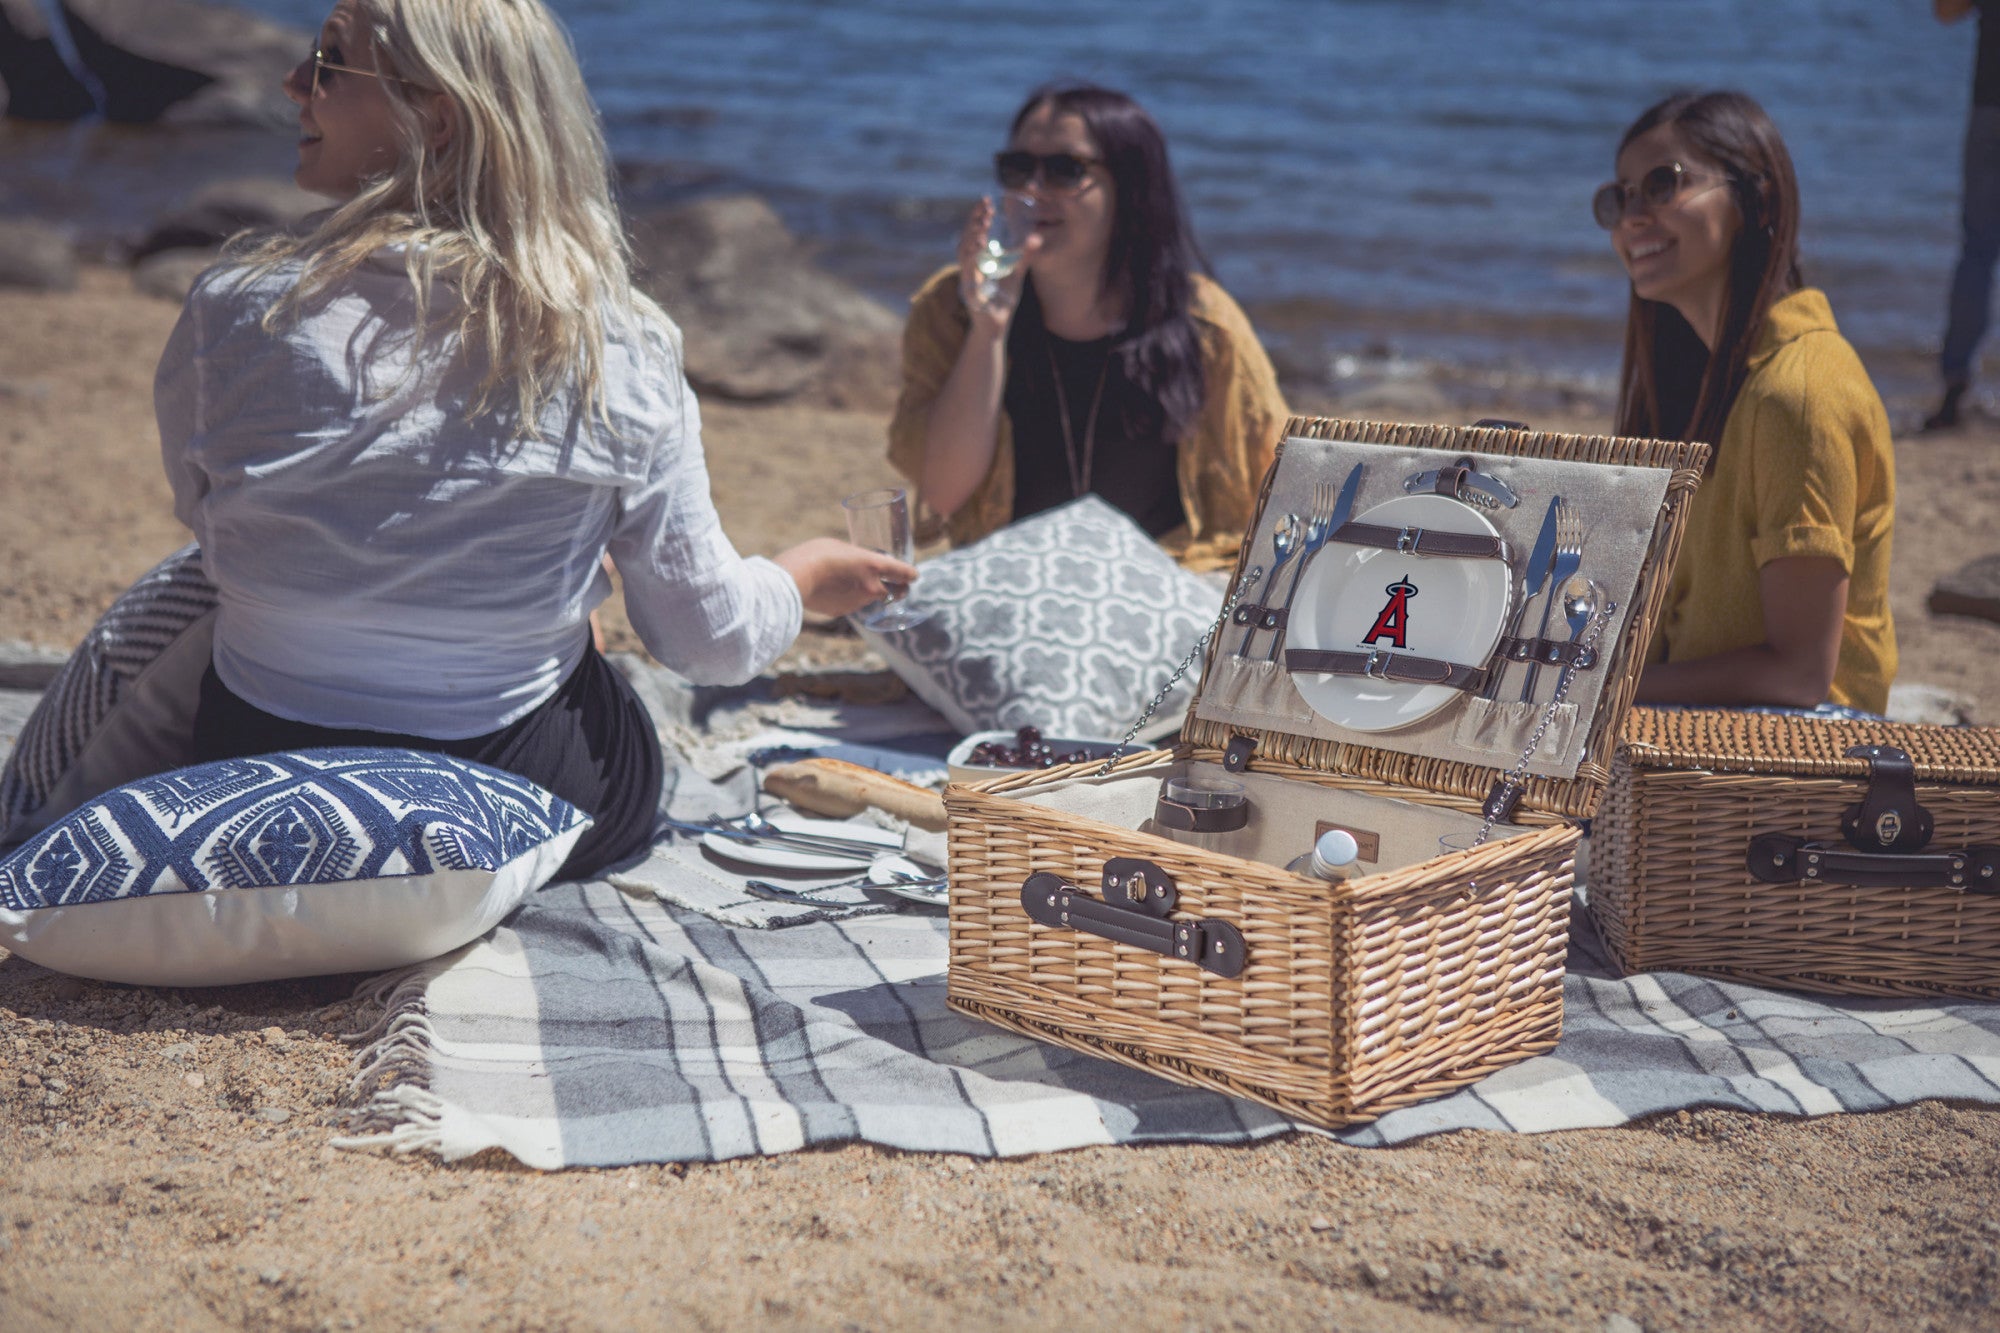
column 1406, row 540
column 1377, row 665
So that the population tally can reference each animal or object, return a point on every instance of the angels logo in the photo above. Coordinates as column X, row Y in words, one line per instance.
column 1394, row 622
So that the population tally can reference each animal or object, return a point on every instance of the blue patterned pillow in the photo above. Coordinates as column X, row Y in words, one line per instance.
column 283, row 865
column 1069, row 621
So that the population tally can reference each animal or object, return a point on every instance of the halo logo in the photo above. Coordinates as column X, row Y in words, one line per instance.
column 1394, row 622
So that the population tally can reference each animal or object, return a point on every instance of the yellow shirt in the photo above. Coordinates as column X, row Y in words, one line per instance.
column 1804, row 468
column 1220, row 462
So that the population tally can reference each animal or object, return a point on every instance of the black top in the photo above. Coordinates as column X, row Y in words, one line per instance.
column 1133, row 472
column 1986, row 73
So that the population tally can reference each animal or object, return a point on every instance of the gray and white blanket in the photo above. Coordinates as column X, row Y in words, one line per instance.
column 676, row 1019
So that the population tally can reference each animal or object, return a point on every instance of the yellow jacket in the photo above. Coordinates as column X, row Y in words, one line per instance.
column 1805, row 468
column 1221, row 461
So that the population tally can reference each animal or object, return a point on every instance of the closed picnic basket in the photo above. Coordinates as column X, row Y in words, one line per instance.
column 1846, row 857
column 1081, row 913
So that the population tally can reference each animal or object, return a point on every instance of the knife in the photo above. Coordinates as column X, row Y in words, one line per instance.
column 1533, row 575
column 1343, row 506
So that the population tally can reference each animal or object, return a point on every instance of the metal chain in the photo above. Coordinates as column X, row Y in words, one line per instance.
column 1228, row 608
column 1514, row 780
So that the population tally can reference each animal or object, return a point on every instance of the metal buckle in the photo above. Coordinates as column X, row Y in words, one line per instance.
column 1406, row 540
column 1376, row 659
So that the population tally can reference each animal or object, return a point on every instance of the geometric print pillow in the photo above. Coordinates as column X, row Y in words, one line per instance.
column 282, row 865
column 122, row 706
column 1070, row 620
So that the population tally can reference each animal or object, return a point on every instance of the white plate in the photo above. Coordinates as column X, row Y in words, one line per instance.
column 882, row 874
column 771, row 857
column 1455, row 613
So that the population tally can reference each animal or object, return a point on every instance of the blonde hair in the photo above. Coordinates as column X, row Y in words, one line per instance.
column 514, row 208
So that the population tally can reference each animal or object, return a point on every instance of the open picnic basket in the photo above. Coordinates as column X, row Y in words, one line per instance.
column 1858, row 858
column 1082, row 914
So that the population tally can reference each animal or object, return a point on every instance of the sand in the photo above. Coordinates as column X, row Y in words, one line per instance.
column 163, row 1158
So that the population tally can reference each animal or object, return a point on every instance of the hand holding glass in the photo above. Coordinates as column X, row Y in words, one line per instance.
column 879, row 520
column 1007, row 233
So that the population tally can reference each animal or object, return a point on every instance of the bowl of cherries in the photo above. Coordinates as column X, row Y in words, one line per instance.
column 989, row 754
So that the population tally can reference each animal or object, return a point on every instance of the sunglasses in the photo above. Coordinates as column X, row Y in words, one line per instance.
column 1017, row 167
column 326, row 64
column 1656, row 189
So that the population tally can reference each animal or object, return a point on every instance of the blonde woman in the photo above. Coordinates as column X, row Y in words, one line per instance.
column 408, row 436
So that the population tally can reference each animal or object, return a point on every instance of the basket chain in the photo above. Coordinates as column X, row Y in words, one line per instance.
column 1208, row 636
column 1514, row 780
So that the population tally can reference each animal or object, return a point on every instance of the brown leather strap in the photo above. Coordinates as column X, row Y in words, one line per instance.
column 1401, row 668
column 1188, row 819
column 1425, row 541
column 1548, row 652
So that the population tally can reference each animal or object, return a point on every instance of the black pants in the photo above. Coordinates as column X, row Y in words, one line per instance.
column 592, row 744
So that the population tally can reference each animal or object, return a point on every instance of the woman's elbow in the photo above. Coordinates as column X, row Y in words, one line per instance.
column 1804, row 682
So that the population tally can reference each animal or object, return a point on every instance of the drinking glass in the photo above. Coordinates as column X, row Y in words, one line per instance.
column 1202, row 793
column 1006, row 238
column 880, row 521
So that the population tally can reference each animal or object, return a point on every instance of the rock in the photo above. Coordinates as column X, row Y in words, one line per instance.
column 1927, row 703
column 271, row 1115
column 761, row 322
column 183, row 62
column 219, row 211
column 35, row 256
column 36, row 83
column 1973, row 590
column 170, row 274
column 27, row 666
column 1619, row 1323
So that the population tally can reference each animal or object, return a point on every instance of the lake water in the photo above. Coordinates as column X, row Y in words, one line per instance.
column 1406, row 177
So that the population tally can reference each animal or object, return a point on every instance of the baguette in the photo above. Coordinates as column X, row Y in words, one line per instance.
column 837, row 788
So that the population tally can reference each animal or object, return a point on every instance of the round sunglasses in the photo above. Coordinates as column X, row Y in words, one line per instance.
column 1016, row 168
column 1655, row 189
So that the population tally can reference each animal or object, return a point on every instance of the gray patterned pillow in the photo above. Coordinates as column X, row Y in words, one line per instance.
column 1070, row 621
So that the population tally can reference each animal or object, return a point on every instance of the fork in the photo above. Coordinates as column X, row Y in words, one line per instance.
column 1569, row 554
column 1318, row 529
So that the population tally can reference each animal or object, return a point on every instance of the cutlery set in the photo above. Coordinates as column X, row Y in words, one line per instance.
column 1293, row 537
column 883, row 860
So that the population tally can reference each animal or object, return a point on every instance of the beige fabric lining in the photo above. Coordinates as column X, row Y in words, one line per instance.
column 1619, row 505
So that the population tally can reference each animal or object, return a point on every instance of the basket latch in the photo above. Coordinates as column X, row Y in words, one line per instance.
column 1236, row 756
column 1138, row 895
column 1888, row 819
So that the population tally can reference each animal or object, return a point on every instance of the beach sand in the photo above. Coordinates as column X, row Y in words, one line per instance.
column 163, row 1158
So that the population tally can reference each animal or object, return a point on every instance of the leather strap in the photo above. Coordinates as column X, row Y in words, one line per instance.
column 1425, row 542
column 1212, row 945
column 1264, row 617
column 1549, row 652
column 1189, row 819
column 1777, row 858
column 1888, row 818
column 1402, row 668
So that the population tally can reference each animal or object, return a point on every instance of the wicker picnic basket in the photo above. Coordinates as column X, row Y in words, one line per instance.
column 1857, row 858
column 1076, row 920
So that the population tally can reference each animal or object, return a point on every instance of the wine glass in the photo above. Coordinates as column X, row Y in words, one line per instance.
column 1007, row 234
column 880, row 521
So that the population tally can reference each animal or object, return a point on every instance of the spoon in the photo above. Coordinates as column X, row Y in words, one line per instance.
column 1284, row 544
column 1581, row 599
column 887, row 872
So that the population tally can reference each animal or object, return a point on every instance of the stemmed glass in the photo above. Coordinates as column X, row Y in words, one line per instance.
column 1013, row 222
column 880, row 521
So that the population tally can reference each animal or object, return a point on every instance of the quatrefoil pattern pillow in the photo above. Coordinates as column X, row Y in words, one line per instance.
column 1070, row 621
column 282, row 865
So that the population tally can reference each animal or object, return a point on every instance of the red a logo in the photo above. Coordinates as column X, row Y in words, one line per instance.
column 1394, row 622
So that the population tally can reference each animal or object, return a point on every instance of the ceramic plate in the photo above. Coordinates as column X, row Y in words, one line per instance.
column 785, row 858
column 882, row 875
column 1354, row 598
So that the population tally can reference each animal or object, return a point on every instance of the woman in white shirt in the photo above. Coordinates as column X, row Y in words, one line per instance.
column 407, row 437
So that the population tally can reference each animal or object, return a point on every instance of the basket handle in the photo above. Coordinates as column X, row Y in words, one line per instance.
column 1214, row 946
column 1775, row 858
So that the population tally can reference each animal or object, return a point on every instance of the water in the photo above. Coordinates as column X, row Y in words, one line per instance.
column 1389, row 178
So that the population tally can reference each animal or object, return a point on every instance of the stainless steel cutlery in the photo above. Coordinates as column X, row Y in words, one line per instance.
column 1569, row 554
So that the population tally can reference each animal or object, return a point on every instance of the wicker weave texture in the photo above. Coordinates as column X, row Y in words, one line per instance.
column 1354, row 1000
column 1669, row 887
column 1574, row 797
column 1734, row 741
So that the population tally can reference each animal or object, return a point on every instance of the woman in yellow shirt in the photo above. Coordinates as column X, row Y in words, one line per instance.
column 1107, row 363
column 1781, row 593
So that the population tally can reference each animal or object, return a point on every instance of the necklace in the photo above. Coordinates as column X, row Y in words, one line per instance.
column 1079, row 469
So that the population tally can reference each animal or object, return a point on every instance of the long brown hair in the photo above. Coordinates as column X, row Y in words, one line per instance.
column 1672, row 386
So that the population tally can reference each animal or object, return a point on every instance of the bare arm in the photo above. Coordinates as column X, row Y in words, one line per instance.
column 963, row 430
column 1805, row 602
column 1951, row 11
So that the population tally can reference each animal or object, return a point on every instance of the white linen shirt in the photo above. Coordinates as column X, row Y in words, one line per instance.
column 387, row 561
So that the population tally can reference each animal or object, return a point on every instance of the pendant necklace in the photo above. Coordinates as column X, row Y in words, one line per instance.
column 1079, row 470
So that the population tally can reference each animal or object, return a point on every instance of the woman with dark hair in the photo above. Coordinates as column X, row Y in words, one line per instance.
column 1107, row 363
column 1781, row 593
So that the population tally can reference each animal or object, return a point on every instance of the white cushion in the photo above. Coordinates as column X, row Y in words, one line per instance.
column 122, row 707
column 283, row 865
column 1069, row 620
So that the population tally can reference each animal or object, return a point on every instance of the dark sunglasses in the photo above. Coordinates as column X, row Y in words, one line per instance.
column 326, row 63
column 1655, row 190
column 1017, row 167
